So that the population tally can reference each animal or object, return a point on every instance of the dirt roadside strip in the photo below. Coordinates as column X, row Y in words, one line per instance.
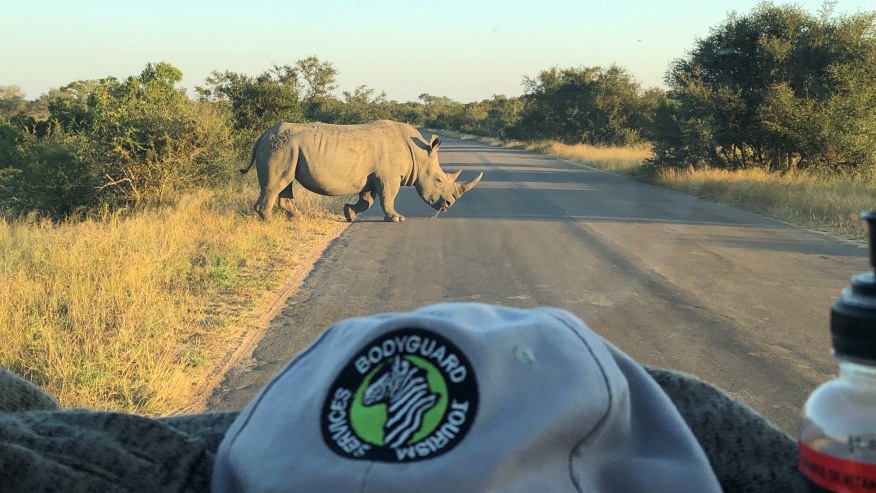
column 270, row 304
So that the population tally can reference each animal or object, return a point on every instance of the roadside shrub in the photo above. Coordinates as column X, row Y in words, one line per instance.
column 112, row 142
column 51, row 175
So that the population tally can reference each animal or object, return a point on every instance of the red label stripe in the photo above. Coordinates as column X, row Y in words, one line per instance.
column 835, row 474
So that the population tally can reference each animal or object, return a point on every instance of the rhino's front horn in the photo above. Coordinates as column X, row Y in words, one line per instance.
column 465, row 187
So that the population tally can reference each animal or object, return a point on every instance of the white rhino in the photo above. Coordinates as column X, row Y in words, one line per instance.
column 369, row 159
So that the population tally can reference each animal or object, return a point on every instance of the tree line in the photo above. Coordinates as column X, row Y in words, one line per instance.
column 776, row 88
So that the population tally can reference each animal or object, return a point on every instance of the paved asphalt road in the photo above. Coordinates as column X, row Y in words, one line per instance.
column 674, row 281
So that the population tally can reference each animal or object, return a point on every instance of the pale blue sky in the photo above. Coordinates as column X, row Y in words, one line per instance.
column 466, row 50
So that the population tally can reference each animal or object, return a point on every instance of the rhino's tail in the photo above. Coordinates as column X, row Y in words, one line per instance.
column 252, row 158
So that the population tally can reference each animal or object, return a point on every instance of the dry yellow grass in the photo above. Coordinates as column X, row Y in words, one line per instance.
column 131, row 313
column 608, row 158
column 828, row 205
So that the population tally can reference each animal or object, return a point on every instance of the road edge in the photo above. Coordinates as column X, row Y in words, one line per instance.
column 271, row 304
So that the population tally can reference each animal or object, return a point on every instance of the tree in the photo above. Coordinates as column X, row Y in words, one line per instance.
column 410, row 112
column 320, row 77
column 257, row 102
column 590, row 104
column 362, row 106
column 441, row 111
column 776, row 88
column 503, row 114
column 11, row 101
column 288, row 93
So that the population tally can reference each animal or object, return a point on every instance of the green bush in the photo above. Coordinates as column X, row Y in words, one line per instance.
column 50, row 175
column 778, row 89
column 112, row 142
column 590, row 105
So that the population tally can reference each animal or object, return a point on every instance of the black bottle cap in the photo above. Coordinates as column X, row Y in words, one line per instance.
column 853, row 315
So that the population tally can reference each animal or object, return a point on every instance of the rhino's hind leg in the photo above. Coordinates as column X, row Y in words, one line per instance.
column 365, row 201
column 274, row 195
column 262, row 206
column 284, row 200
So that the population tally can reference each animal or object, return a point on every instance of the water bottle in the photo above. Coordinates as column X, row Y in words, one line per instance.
column 837, row 440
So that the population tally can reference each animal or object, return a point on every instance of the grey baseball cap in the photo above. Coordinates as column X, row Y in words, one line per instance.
column 462, row 397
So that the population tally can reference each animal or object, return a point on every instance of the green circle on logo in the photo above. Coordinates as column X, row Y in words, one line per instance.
column 368, row 421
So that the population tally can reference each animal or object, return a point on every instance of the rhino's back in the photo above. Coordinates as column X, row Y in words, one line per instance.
column 378, row 131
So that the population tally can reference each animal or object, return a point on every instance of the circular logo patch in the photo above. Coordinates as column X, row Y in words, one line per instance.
column 405, row 396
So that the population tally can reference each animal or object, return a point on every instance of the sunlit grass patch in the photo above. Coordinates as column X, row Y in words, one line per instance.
column 827, row 204
column 609, row 158
column 131, row 312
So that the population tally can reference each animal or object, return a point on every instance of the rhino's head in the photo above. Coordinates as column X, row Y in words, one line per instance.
column 437, row 188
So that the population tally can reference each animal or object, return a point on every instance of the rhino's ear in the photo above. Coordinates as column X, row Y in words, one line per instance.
column 433, row 146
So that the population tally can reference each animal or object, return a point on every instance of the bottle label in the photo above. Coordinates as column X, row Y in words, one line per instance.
column 835, row 474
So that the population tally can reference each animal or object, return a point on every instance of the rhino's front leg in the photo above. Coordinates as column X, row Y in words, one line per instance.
column 387, row 192
column 365, row 201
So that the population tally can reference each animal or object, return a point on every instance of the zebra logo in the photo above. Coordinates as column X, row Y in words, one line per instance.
column 408, row 395
column 402, row 386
